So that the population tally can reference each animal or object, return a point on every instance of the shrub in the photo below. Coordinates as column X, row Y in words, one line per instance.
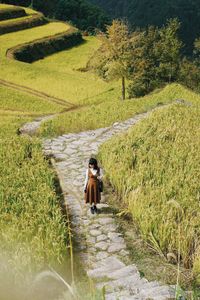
column 12, row 13
column 41, row 48
column 29, row 22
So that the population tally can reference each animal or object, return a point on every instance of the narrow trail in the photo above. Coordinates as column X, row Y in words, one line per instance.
column 100, row 244
column 31, row 127
column 37, row 93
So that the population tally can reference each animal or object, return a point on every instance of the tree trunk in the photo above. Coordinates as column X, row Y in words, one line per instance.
column 123, row 89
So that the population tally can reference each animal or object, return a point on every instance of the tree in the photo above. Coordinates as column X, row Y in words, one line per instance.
column 142, row 13
column 169, row 50
column 155, row 58
column 112, row 60
column 82, row 14
column 189, row 74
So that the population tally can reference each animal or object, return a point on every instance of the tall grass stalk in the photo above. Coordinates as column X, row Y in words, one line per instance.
column 158, row 163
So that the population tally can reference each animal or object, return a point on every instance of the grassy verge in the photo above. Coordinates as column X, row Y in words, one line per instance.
column 112, row 110
column 16, row 101
column 158, row 179
column 33, row 232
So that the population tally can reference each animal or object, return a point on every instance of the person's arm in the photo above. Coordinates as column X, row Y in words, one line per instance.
column 86, row 179
column 100, row 174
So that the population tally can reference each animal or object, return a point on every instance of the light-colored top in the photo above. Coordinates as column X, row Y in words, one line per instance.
column 94, row 172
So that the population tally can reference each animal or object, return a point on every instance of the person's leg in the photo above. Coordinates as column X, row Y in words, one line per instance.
column 92, row 207
column 95, row 207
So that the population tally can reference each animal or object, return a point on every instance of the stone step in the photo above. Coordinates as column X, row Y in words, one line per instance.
column 123, row 272
column 105, row 266
column 129, row 283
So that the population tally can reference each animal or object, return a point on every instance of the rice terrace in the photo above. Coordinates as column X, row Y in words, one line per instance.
column 82, row 83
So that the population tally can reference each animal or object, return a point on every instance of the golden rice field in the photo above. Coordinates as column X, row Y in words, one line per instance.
column 8, row 6
column 110, row 110
column 33, row 231
column 71, row 83
column 26, row 103
column 158, row 179
column 157, row 160
column 32, row 227
column 31, row 221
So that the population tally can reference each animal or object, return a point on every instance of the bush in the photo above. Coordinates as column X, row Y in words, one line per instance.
column 41, row 48
column 29, row 22
column 12, row 13
column 189, row 74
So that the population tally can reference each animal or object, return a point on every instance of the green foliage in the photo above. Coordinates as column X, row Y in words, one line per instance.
column 158, row 179
column 112, row 59
column 82, row 14
column 155, row 58
column 39, row 49
column 156, row 12
column 189, row 74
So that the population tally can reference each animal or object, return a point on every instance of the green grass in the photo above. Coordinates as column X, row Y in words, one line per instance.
column 158, row 178
column 10, row 21
column 111, row 110
column 32, row 230
column 71, row 84
column 153, row 160
column 8, row 6
column 27, row 104
column 79, row 87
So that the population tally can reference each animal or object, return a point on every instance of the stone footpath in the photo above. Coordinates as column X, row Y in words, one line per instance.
column 101, row 247
column 31, row 127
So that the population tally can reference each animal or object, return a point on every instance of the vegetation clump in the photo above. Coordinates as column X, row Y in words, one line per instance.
column 41, row 48
column 12, row 13
column 22, row 23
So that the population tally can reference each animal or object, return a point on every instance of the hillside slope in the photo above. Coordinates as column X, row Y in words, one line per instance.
column 156, row 12
column 158, row 176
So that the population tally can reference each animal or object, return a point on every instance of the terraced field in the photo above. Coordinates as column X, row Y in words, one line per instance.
column 72, row 84
column 53, row 85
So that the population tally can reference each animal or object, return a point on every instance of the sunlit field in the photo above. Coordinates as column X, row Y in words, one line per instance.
column 113, row 110
column 158, row 179
column 71, row 83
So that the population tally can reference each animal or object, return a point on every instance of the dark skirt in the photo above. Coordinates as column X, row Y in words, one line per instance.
column 92, row 194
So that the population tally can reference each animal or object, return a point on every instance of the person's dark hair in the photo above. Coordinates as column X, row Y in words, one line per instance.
column 94, row 162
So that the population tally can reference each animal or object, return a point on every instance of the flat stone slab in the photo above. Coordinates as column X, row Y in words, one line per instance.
column 116, row 247
column 105, row 268
column 102, row 237
column 101, row 245
column 104, row 221
column 95, row 232
column 101, row 255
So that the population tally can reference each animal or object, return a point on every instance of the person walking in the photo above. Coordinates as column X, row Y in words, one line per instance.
column 91, row 186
